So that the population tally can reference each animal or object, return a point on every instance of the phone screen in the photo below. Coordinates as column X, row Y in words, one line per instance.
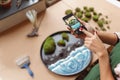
column 73, row 22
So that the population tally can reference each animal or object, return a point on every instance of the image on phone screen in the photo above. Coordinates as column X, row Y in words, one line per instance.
column 73, row 22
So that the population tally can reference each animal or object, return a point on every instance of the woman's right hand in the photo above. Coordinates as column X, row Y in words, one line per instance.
column 88, row 27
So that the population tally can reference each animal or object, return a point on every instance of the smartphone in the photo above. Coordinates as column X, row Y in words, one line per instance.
column 73, row 23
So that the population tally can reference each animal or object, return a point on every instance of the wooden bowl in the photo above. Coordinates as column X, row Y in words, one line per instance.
column 6, row 3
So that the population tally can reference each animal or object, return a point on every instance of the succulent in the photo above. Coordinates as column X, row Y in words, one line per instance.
column 65, row 36
column 49, row 46
column 61, row 43
column 69, row 11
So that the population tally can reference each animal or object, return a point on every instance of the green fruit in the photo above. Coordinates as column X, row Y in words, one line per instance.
column 61, row 43
column 69, row 11
column 65, row 36
column 49, row 46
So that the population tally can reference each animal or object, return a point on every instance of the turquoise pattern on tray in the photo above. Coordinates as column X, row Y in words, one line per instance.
column 76, row 62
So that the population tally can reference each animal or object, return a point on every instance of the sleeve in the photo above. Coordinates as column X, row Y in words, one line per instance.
column 118, row 35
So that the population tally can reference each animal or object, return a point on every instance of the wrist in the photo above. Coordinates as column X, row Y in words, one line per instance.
column 102, row 54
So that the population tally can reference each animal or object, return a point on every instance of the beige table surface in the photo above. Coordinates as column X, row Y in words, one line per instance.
column 14, row 43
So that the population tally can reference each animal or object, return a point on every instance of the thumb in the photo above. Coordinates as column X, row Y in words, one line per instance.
column 86, row 32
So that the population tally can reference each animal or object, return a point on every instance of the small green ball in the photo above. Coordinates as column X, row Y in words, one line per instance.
column 103, row 29
column 69, row 11
column 85, row 7
column 79, row 14
column 65, row 36
column 85, row 19
column 99, row 14
column 61, row 43
column 88, row 14
column 91, row 9
column 95, row 18
column 77, row 9
column 94, row 13
column 100, row 23
column 108, row 27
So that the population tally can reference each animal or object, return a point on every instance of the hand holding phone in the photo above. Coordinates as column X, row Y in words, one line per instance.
column 74, row 23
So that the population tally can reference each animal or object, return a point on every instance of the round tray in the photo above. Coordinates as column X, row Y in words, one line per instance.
column 68, row 60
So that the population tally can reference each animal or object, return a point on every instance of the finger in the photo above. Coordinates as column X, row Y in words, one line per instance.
column 95, row 33
column 82, row 21
column 69, row 28
column 88, row 39
column 86, row 32
column 72, row 32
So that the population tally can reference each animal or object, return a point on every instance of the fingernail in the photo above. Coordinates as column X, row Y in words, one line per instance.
column 81, row 29
column 95, row 32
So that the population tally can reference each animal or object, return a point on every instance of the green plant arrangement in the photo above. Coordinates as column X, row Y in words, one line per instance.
column 89, row 13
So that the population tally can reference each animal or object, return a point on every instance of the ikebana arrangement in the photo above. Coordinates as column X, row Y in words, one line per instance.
column 5, row 3
column 89, row 13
